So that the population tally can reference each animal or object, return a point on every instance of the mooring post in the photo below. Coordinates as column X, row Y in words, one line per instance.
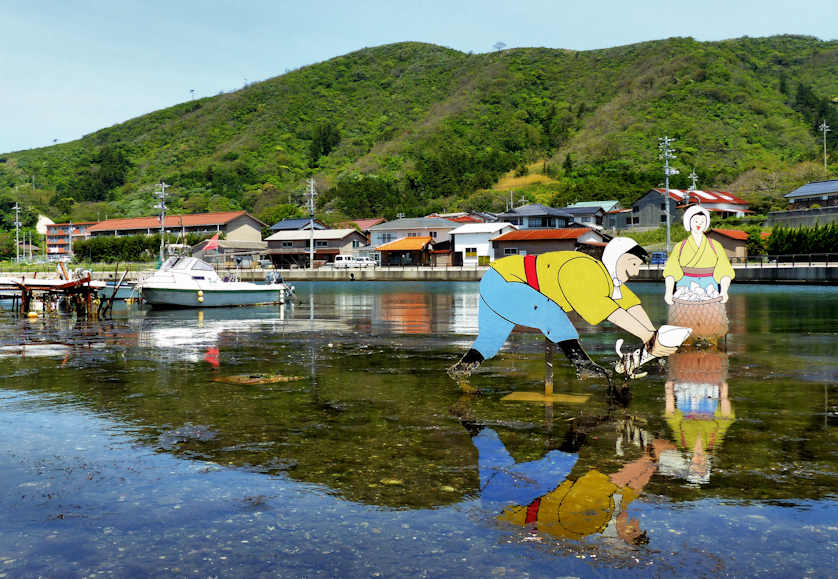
column 548, row 367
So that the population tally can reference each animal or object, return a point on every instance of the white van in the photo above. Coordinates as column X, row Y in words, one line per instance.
column 344, row 261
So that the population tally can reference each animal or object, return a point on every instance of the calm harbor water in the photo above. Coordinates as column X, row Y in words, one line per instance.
column 140, row 445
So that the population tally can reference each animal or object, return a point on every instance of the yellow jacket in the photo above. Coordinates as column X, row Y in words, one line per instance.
column 575, row 281
column 574, row 509
column 708, row 254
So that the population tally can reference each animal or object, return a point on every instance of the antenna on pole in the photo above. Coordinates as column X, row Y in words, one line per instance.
column 824, row 128
column 666, row 153
column 694, row 178
column 162, row 207
column 312, row 192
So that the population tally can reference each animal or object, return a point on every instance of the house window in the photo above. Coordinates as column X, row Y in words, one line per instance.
column 635, row 220
column 287, row 244
column 321, row 244
column 386, row 237
column 471, row 252
column 663, row 218
column 356, row 243
column 510, row 251
column 412, row 234
column 663, row 206
column 635, row 209
column 433, row 234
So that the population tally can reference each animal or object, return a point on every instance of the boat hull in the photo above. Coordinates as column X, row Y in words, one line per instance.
column 208, row 298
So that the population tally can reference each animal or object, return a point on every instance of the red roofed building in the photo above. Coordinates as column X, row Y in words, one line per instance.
column 235, row 225
column 538, row 241
column 650, row 210
column 734, row 241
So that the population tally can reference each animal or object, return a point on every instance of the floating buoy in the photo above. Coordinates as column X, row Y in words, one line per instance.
column 200, row 299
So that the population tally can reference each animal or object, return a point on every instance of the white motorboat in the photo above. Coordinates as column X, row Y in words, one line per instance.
column 188, row 282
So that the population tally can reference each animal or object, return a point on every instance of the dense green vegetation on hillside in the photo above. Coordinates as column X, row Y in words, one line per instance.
column 413, row 128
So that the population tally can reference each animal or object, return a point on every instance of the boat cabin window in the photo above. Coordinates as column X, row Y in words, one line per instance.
column 202, row 266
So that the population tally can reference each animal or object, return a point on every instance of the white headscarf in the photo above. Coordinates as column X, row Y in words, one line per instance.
column 612, row 252
column 696, row 210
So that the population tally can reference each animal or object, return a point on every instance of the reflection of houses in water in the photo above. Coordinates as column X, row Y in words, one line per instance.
column 406, row 313
column 464, row 315
column 427, row 312
column 699, row 412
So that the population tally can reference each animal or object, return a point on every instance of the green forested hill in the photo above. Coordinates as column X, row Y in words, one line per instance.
column 414, row 128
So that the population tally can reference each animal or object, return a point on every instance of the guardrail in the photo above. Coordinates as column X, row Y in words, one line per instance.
column 778, row 261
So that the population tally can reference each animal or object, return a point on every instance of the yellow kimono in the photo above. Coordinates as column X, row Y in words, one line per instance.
column 694, row 262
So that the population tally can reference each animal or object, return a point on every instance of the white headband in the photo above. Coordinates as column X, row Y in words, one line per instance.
column 696, row 210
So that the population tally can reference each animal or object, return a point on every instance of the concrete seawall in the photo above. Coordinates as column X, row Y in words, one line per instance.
column 824, row 274
column 816, row 274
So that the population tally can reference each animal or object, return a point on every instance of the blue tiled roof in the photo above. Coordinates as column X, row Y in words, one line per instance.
column 301, row 223
column 816, row 188
column 535, row 209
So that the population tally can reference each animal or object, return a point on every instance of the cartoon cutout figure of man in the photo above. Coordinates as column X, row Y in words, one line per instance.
column 537, row 291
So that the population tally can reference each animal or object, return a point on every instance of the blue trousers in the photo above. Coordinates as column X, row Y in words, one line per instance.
column 503, row 305
column 502, row 480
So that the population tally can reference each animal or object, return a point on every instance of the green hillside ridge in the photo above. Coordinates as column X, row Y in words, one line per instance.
column 413, row 128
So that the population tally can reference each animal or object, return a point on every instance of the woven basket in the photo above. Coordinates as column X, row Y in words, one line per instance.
column 707, row 318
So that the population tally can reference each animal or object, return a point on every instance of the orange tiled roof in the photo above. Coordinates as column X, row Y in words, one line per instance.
column 733, row 233
column 172, row 221
column 407, row 244
column 543, row 234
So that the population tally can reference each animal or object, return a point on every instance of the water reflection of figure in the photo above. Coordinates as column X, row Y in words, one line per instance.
column 544, row 495
column 697, row 276
column 698, row 410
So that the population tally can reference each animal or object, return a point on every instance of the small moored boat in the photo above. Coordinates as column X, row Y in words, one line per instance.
column 188, row 282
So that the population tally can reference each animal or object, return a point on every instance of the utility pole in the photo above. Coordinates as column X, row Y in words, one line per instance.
column 666, row 153
column 311, row 193
column 161, row 195
column 824, row 128
column 17, row 233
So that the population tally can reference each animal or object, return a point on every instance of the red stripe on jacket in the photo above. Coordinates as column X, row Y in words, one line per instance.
column 530, row 272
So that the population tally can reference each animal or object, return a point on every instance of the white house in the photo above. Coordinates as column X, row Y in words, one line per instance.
column 472, row 241
column 433, row 227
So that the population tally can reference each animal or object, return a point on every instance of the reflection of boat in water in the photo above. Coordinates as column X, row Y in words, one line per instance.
column 124, row 291
column 188, row 282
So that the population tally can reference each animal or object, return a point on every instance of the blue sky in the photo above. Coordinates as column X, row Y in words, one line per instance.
column 71, row 67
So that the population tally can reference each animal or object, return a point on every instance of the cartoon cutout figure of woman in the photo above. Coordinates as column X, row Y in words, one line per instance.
column 697, row 276
column 697, row 263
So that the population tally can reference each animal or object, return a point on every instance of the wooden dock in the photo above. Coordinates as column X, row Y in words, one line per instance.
column 32, row 295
